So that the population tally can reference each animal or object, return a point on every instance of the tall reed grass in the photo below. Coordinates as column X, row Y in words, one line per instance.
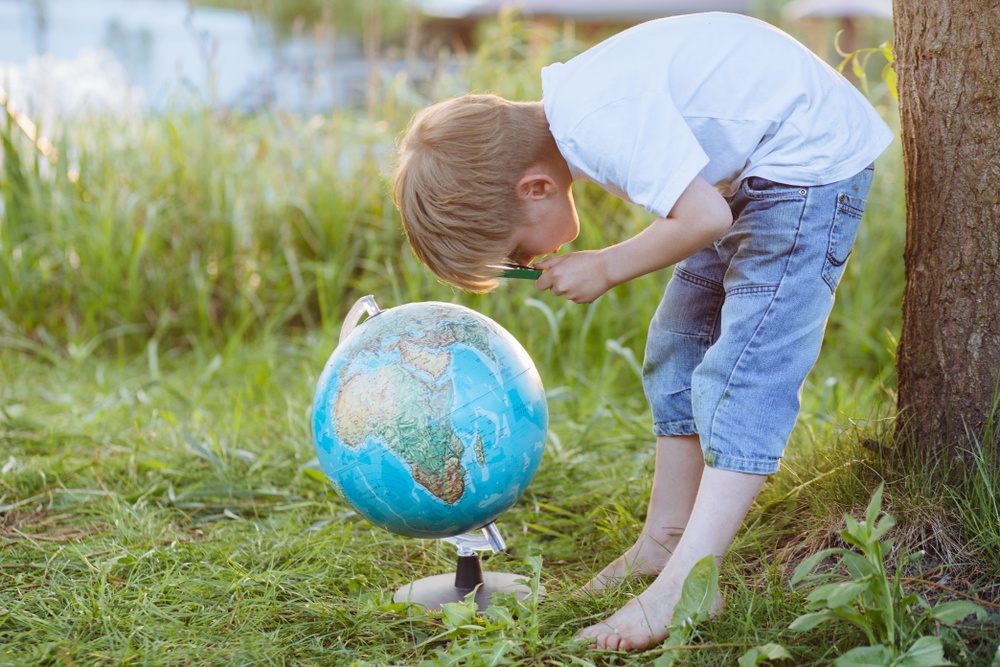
column 199, row 228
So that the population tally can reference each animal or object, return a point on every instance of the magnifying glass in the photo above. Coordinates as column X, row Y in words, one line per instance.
column 520, row 271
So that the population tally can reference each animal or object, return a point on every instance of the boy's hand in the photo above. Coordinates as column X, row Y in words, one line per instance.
column 700, row 217
column 581, row 277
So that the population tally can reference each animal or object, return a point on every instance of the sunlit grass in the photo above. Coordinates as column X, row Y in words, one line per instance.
column 169, row 292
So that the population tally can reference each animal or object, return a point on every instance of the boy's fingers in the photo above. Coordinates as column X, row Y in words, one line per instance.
column 549, row 262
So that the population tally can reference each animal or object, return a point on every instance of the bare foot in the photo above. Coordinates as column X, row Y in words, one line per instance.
column 648, row 556
column 642, row 622
column 722, row 502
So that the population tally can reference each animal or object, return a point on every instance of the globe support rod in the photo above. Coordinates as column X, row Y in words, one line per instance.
column 468, row 574
column 492, row 534
column 435, row 591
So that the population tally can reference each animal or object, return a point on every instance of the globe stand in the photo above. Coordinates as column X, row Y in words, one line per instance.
column 433, row 592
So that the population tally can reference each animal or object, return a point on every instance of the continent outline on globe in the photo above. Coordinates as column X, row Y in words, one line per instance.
column 394, row 386
column 434, row 451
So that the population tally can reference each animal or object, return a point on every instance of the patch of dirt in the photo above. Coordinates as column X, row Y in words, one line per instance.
column 42, row 526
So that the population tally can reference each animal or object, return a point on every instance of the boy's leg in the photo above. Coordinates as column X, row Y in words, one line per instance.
column 677, row 474
column 723, row 500
column 785, row 255
column 682, row 330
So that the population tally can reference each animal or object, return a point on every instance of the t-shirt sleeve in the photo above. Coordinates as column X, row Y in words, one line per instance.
column 639, row 145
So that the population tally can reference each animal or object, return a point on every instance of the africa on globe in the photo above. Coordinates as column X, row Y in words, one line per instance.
column 430, row 419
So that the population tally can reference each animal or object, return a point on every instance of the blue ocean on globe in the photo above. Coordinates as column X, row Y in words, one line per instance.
column 430, row 419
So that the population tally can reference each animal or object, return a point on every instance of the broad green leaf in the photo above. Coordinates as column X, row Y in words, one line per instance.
column 883, row 527
column 874, row 506
column 855, row 617
column 457, row 614
column 891, row 80
column 858, row 538
column 697, row 596
column 807, row 622
column 810, row 564
column 534, row 561
column 856, row 68
column 846, row 593
column 858, row 566
column 821, row 593
column 765, row 653
column 698, row 592
column 679, row 636
column 925, row 652
column 864, row 656
column 807, row 566
column 499, row 614
column 953, row 612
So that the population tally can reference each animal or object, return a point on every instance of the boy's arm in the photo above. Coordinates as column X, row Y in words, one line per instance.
column 700, row 216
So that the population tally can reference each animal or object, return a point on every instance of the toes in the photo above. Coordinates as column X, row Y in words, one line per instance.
column 634, row 644
column 600, row 636
column 589, row 636
column 616, row 638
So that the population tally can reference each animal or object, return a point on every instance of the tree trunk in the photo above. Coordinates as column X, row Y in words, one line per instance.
column 947, row 58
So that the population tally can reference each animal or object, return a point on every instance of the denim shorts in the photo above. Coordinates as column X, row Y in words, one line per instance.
column 741, row 322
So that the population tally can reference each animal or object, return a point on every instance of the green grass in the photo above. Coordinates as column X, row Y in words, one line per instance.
column 169, row 292
column 173, row 515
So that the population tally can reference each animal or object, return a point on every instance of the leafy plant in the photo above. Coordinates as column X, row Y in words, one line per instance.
column 501, row 634
column 698, row 594
column 758, row 655
column 894, row 621
column 859, row 65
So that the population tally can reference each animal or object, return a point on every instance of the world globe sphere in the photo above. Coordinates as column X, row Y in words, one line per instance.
column 430, row 419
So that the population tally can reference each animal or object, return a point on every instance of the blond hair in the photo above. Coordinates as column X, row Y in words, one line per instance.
column 455, row 183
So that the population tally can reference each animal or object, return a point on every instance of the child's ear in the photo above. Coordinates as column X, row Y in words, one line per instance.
column 536, row 183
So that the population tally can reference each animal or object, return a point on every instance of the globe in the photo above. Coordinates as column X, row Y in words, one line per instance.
column 430, row 419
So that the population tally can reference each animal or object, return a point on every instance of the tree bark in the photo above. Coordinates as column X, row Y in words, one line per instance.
column 947, row 59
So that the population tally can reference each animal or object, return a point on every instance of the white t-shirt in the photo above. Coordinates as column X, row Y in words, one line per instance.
column 719, row 95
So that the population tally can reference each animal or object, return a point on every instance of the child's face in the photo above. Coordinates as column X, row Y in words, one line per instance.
column 549, row 223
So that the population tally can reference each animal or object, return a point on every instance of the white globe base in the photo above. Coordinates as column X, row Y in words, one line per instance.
column 433, row 592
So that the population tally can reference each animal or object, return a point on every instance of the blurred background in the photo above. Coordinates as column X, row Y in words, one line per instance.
column 193, row 174
column 313, row 56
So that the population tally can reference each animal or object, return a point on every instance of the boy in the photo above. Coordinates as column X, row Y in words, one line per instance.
column 755, row 156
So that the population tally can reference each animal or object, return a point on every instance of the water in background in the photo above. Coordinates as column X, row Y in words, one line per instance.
column 127, row 56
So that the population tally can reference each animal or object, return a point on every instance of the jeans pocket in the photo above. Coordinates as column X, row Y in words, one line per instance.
column 759, row 188
column 843, row 232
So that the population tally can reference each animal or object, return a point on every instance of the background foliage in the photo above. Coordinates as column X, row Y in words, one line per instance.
column 170, row 287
